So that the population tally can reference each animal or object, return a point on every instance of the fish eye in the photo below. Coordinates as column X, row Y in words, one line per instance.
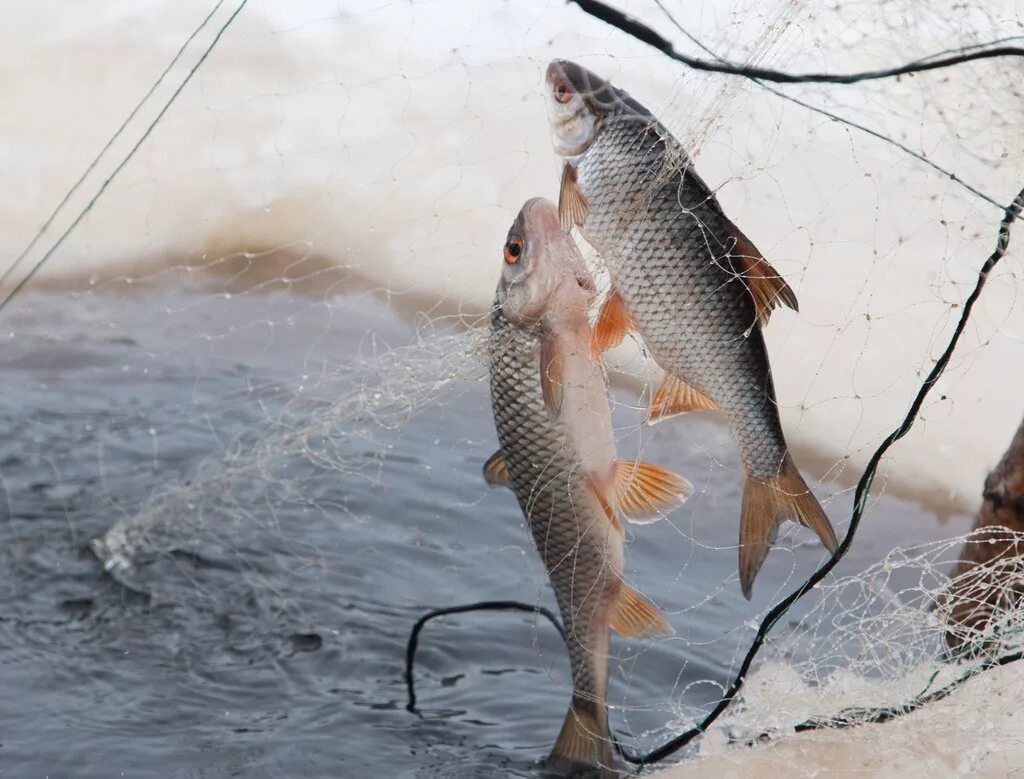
column 562, row 91
column 513, row 250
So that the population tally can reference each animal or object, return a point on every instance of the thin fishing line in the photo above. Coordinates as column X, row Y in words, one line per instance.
column 849, row 122
column 489, row 605
column 109, row 143
column 103, row 188
column 645, row 34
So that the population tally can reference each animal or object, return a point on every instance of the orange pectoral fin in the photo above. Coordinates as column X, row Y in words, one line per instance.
column 613, row 322
column 768, row 289
column 646, row 490
column 674, row 396
column 572, row 206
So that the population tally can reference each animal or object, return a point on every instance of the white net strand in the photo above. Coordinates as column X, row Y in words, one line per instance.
column 302, row 184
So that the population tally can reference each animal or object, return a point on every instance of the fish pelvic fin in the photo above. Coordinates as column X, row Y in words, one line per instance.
column 496, row 470
column 583, row 741
column 633, row 615
column 606, row 505
column 766, row 286
column 551, row 370
column 572, row 205
column 673, row 397
column 646, row 490
column 766, row 505
column 613, row 322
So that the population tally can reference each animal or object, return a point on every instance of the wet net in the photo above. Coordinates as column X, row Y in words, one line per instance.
column 245, row 313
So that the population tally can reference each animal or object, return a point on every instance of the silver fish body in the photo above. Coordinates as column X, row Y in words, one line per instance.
column 668, row 260
column 690, row 282
column 557, row 454
column 582, row 554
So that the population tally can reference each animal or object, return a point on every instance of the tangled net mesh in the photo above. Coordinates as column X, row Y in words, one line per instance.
column 345, row 185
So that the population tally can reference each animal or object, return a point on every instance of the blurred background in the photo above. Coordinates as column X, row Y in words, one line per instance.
column 247, row 250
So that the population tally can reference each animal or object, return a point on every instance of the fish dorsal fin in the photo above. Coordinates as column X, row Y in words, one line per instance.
column 674, row 396
column 551, row 369
column 613, row 322
column 633, row 615
column 606, row 506
column 767, row 287
column 646, row 490
column 572, row 206
column 496, row 470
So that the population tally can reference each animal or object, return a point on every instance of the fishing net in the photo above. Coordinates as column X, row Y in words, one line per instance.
column 248, row 345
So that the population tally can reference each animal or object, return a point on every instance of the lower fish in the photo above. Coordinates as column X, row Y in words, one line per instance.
column 551, row 411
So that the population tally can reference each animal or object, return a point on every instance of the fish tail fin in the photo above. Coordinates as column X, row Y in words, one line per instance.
column 583, row 740
column 766, row 505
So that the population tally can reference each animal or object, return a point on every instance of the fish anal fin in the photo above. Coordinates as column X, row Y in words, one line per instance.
column 646, row 491
column 572, row 206
column 766, row 505
column 583, row 740
column 606, row 505
column 633, row 615
column 613, row 322
column 674, row 396
column 767, row 287
column 496, row 470
column 551, row 368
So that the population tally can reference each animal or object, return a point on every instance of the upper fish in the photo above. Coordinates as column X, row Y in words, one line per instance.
column 688, row 280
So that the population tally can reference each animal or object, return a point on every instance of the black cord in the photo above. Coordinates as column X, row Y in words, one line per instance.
column 645, row 34
column 779, row 610
column 859, row 503
column 487, row 605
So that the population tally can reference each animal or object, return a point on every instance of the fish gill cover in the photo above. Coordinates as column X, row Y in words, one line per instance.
column 249, row 251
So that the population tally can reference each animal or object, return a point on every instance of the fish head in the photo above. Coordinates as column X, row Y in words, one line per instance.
column 580, row 103
column 543, row 277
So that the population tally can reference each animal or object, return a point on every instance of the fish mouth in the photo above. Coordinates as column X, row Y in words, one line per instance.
column 555, row 71
column 573, row 126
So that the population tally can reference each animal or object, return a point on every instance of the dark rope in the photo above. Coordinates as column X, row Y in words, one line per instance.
column 845, row 120
column 859, row 504
column 779, row 610
column 645, row 34
column 487, row 605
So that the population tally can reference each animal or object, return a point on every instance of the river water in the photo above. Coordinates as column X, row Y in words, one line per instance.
column 256, row 624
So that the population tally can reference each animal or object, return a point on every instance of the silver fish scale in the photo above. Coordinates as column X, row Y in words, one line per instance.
column 545, row 479
column 665, row 239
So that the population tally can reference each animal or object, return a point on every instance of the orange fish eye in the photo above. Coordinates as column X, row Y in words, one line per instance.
column 562, row 92
column 513, row 250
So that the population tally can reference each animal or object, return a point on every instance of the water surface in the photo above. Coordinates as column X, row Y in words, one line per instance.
column 260, row 630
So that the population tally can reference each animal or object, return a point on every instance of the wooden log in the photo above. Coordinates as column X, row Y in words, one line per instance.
column 989, row 579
